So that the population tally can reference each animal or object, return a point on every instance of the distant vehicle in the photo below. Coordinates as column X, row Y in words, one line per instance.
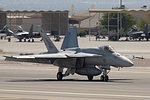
column 83, row 61
column 57, row 38
column 114, row 37
column 136, row 34
column 5, row 31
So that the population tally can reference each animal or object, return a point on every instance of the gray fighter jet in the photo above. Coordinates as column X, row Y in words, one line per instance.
column 83, row 61
column 21, row 34
column 136, row 34
column 5, row 31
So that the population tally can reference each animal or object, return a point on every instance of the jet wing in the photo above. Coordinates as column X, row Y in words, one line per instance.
column 55, row 55
column 22, row 33
column 81, row 55
column 46, row 56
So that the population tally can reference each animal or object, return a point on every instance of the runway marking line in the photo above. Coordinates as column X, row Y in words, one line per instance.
column 74, row 93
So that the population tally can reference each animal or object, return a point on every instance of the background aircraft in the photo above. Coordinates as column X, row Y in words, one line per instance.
column 136, row 34
column 83, row 61
column 5, row 31
column 21, row 34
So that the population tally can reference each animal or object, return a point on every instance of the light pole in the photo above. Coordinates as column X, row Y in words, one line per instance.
column 120, row 3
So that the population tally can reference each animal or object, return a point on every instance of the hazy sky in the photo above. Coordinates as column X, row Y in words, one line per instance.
column 80, row 5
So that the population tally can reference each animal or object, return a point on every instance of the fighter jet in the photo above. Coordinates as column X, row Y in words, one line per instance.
column 89, row 62
column 136, row 34
column 21, row 34
column 5, row 31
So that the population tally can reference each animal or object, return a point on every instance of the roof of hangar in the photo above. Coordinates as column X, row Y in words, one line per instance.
column 118, row 10
column 80, row 16
column 32, row 11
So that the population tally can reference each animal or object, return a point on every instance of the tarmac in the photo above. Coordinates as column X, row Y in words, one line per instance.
column 34, row 81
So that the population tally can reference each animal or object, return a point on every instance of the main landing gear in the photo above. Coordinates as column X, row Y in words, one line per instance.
column 32, row 40
column 60, row 74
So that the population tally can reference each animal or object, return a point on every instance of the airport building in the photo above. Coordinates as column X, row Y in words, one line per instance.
column 55, row 22
column 89, row 20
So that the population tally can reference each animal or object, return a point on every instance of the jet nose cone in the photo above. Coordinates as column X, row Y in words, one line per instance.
column 128, row 62
column 125, row 62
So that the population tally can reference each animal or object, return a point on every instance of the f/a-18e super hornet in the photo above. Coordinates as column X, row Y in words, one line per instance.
column 83, row 61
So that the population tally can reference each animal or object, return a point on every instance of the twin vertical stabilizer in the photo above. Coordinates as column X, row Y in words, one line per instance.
column 49, row 44
column 31, row 31
column 70, row 40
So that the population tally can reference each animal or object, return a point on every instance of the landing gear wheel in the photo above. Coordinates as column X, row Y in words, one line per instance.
column 20, row 40
column 105, row 78
column 24, row 40
column 29, row 40
column 32, row 40
column 59, row 76
column 90, row 78
column 102, row 77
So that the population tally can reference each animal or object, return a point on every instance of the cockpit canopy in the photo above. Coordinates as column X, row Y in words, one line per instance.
column 107, row 49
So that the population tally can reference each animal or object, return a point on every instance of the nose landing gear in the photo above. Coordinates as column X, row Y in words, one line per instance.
column 105, row 76
column 90, row 78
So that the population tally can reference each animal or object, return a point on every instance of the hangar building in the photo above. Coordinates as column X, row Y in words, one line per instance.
column 55, row 22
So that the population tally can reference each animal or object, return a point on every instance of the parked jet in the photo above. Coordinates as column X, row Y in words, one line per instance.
column 21, row 34
column 136, row 34
column 5, row 31
column 83, row 61
column 147, row 34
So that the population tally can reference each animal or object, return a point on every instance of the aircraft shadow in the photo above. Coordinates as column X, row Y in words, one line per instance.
column 72, row 80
